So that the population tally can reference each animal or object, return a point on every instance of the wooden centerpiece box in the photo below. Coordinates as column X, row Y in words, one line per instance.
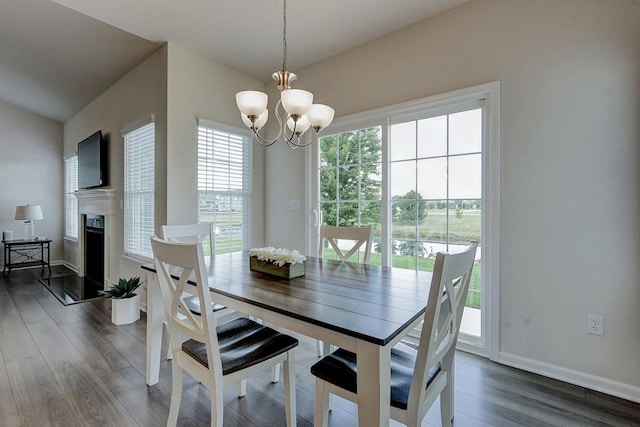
column 277, row 262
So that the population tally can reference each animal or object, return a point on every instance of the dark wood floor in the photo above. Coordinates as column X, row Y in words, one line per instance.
column 70, row 366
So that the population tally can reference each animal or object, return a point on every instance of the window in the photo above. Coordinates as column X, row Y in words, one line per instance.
column 224, row 185
column 351, row 189
column 436, row 193
column 139, row 168
column 435, row 176
column 425, row 176
column 435, row 188
column 70, row 200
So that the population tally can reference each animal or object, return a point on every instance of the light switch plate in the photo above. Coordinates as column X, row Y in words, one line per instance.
column 294, row 205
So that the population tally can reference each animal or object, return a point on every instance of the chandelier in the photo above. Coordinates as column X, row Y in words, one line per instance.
column 295, row 109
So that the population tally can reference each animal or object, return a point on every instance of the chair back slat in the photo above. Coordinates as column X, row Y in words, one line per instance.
column 443, row 314
column 359, row 235
column 190, row 233
column 172, row 292
column 176, row 263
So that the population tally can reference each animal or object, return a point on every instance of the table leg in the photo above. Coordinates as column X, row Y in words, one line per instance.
column 155, row 316
column 374, row 392
column 5, row 259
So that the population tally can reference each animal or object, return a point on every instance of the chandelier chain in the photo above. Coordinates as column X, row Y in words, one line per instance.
column 284, row 36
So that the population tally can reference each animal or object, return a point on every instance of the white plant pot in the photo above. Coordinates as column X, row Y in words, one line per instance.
column 125, row 310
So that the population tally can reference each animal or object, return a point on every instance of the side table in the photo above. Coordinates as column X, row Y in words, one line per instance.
column 26, row 253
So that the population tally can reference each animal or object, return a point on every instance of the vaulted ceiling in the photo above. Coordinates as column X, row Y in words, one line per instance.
column 55, row 57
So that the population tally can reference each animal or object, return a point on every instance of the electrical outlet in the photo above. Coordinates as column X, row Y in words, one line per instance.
column 595, row 324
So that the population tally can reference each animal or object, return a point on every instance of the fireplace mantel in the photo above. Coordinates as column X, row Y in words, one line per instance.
column 101, row 201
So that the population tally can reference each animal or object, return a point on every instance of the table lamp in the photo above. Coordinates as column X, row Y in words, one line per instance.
column 29, row 213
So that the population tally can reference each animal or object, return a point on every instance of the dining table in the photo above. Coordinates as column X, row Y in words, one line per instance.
column 364, row 308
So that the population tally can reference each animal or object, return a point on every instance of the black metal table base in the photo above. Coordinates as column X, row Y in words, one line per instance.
column 26, row 253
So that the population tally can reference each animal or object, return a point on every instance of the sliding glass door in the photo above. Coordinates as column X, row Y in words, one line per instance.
column 420, row 179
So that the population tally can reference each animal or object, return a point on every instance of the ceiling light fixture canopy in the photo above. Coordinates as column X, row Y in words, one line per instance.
column 295, row 109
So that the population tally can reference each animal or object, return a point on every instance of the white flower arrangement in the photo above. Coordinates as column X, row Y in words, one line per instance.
column 277, row 256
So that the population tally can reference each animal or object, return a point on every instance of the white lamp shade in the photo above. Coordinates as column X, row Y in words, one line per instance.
column 301, row 126
column 296, row 101
column 260, row 121
column 320, row 115
column 28, row 212
column 251, row 102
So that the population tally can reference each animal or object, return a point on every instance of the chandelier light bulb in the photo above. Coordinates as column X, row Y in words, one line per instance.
column 300, row 126
column 259, row 122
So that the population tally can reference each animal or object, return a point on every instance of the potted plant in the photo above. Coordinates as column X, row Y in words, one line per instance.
column 125, row 303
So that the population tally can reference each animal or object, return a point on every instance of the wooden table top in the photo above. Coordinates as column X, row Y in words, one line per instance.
column 367, row 302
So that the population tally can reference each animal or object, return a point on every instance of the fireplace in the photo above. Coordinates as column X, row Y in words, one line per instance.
column 94, row 250
column 97, row 208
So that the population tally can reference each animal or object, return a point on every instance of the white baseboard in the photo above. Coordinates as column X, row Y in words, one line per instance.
column 582, row 379
column 70, row 266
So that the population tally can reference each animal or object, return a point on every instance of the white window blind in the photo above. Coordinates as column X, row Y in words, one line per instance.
column 70, row 200
column 139, row 218
column 224, row 185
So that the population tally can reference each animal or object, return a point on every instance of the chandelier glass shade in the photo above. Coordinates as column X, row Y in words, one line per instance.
column 295, row 110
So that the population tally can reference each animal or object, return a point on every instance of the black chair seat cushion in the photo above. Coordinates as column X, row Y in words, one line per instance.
column 339, row 368
column 242, row 343
column 193, row 305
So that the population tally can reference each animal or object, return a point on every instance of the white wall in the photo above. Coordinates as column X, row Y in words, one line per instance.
column 31, row 171
column 177, row 86
column 139, row 94
column 284, row 181
column 570, row 129
column 200, row 88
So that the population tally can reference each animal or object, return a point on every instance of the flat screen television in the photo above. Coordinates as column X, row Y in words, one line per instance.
column 93, row 164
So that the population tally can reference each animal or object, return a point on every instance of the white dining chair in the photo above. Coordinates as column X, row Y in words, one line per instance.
column 192, row 233
column 356, row 238
column 417, row 377
column 216, row 356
